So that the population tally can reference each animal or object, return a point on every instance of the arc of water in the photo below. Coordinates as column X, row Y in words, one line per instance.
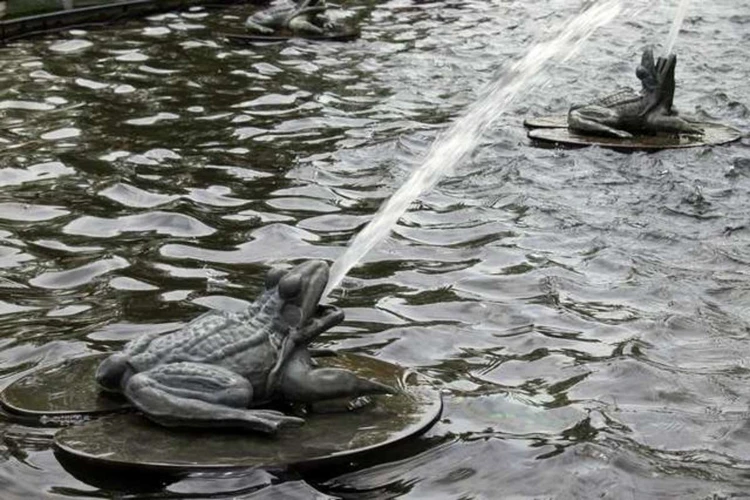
column 464, row 135
column 676, row 25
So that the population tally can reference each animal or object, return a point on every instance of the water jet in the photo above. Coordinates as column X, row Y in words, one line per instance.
column 456, row 144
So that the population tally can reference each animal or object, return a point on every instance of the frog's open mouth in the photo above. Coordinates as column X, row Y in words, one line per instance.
column 323, row 311
column 325, row 317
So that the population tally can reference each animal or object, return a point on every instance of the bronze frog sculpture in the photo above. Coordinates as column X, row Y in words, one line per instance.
column 306, row 16
column 625, row 113
column 216, row 370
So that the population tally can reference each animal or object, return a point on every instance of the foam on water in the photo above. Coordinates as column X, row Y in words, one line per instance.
column 463, row 136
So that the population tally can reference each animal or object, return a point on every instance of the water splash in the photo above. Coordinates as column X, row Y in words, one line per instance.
column 464, row 135
column 676, row 25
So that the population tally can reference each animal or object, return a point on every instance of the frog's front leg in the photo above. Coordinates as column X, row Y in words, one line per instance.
column 303, row 25
column 673, row 124
column 597, row 120
column 252, row 25
column 303, row 382
column 199, row 395
column 329, row 317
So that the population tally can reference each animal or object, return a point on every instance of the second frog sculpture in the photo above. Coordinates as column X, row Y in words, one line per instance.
column 303, row 17
column 627, row 113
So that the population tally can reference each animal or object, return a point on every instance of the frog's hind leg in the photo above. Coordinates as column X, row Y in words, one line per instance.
column 593, row 120
column 199, row 395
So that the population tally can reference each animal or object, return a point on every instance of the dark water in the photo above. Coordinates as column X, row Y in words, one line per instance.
column 587, row 312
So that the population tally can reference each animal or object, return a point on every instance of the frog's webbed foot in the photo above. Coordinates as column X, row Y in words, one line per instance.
column 593, row 119
column 198, row 395
column 252, row 25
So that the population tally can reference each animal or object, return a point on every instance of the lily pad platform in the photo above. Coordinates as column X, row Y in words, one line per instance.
column 332, row 433
column 344, row 36
column 554, row 129
column 554, row 121
column 61, row 394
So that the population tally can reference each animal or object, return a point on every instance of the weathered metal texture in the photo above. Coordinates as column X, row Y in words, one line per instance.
column 30, row 17
column 334, row 432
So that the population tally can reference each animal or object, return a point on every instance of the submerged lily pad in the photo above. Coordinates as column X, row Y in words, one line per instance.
column 555, row 129
column 63, row 393
column 330, row 434
column 342, row 36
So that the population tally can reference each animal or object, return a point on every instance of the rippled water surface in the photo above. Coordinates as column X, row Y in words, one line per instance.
column 586, row 312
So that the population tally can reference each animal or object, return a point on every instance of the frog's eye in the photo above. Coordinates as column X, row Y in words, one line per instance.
column 290, row 286
column 273, row 277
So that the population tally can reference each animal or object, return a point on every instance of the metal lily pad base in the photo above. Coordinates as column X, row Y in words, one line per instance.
column 343, row 36
column 554, row 121
column 333, row 433
column 60, row 394
column 554, row 130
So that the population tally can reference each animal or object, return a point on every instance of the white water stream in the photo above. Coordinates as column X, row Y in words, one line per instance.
column 676, row 25
column 457, row 143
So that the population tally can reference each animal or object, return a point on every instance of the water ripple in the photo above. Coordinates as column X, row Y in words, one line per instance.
column 167, row 223
column 73, row 278
column 583, row 311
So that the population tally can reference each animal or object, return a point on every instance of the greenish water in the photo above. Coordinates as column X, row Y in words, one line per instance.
column 16, row 8
column 585, row 311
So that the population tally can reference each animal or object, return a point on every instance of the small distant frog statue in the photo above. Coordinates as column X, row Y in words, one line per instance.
column 626, row 113
column 303, row 17
column 219, row 368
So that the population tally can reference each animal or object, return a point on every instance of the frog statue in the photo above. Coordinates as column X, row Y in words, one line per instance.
column 218, row 369
column 304, row 16
column 625, row 113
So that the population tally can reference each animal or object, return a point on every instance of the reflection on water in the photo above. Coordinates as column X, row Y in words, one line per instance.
column 584, row 310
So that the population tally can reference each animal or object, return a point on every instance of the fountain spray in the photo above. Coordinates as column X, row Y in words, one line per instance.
column 457, row 143
column 676, row 25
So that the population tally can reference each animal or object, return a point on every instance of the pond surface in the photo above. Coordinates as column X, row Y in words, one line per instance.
column 586, row 312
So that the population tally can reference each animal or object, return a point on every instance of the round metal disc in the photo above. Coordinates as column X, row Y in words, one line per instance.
column 555, row 121
column 713, row 134
column 61, row 393
column 132, row 441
